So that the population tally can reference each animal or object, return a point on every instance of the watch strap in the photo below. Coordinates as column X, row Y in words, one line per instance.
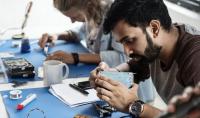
column 76, row 58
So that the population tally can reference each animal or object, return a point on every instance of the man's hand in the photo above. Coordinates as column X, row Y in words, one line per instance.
column 115, row 93
column 94, row 73
column 188, row 93
column 61, row 56
column 93, row 77
column 105, row 66
column 45, row 38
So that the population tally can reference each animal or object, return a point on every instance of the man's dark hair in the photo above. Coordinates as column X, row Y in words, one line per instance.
column 137, row 13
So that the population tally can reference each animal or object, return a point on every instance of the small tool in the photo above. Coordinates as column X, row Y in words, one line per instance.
column 46, row 49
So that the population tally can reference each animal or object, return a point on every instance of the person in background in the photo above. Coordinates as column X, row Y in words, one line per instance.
column 91, row 13
column 102, row 47
column 167, row 52
column 185, row 98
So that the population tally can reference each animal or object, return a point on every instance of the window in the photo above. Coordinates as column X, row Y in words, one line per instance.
column 193, row 5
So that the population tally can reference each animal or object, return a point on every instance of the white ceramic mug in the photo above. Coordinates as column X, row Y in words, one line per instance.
column 54, row 72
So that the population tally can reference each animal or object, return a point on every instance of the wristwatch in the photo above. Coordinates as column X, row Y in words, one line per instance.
column 136, row 108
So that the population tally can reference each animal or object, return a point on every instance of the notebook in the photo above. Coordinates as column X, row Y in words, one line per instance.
column 71, row 96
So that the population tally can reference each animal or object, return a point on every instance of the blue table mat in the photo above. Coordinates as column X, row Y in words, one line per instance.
column 50, row 105
column 37, row 57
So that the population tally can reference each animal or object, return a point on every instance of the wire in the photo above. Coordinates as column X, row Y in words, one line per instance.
column 35, row 109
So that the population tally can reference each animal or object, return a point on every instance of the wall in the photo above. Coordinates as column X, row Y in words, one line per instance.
column 42, row 18
column 183, row 15
column 45, row 18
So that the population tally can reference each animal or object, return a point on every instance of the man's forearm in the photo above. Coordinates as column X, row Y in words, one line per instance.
column 150, row 112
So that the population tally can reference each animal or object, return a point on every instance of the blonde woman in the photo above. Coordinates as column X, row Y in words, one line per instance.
column 91, row 13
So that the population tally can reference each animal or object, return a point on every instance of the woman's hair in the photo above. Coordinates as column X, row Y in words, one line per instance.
column 94, row 8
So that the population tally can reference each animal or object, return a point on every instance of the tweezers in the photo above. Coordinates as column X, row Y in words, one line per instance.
column 46, row 49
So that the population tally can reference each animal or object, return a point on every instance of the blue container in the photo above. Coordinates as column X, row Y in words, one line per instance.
column 25, row 46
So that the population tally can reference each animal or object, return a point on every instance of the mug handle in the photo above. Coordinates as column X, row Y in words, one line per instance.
column 65, row 70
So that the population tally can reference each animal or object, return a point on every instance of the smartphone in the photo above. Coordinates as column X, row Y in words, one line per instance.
column 84, row 85
column 125, row 78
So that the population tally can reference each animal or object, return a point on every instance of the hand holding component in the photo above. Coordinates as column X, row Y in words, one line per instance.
column 46, row 38
column 115, row 93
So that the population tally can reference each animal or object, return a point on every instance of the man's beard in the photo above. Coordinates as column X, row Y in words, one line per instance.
column 151, row 52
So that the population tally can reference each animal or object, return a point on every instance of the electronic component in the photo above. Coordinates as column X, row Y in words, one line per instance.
column 124, row 77
column 103, row 109
column 18, row 68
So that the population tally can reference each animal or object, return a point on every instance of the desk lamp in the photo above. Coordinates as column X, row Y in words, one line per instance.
column 22, row 35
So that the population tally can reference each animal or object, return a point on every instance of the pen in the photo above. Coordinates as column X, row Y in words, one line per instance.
column 29, row 99
column 79, row 89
